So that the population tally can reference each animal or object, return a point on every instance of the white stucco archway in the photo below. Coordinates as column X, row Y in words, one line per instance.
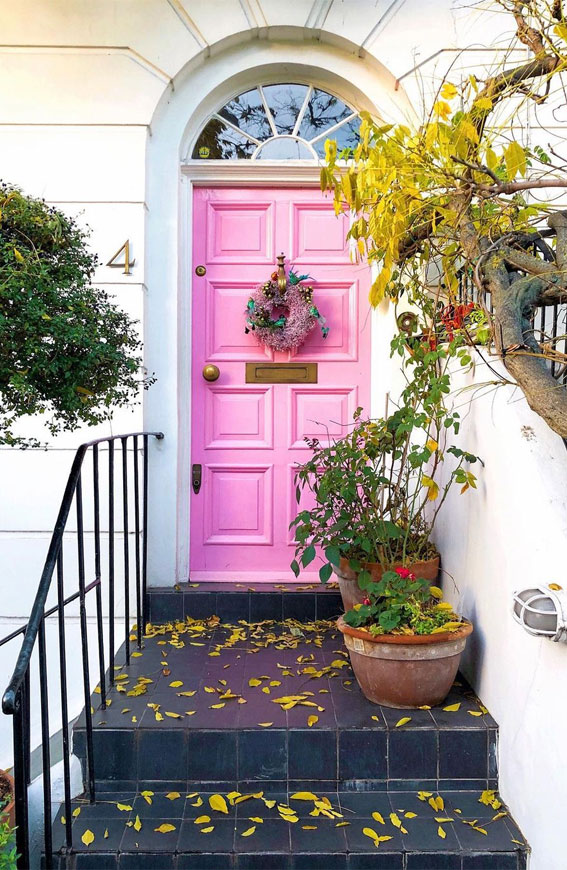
column 335, row 65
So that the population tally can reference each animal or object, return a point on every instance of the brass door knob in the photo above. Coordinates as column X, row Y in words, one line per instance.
column 211, row 372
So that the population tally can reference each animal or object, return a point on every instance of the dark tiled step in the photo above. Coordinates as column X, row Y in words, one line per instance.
column 276, row 843
column 352, row 740
column 234, row 601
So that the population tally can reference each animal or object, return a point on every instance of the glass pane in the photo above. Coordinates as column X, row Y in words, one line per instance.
column 345, row 137
column 322, row 111
column 247, row 112
column 284, row 102
column 218, row 142
column 284, row 149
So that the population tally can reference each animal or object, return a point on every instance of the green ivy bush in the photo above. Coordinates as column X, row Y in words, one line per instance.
column 66, row 350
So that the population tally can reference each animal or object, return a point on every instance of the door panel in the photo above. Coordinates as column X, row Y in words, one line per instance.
column 248, row 437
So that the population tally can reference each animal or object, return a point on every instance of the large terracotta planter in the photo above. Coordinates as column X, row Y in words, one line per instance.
column 352, row 594
column 405, row 671
column 9, row 810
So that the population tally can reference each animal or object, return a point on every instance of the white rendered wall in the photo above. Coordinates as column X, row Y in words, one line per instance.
column 509, row 534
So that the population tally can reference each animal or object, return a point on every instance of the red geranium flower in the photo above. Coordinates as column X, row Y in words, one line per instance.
column 403, row 572
column 366, row 600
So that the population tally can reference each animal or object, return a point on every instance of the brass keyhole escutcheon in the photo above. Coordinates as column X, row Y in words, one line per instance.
column 200, row 271
column 211, row 372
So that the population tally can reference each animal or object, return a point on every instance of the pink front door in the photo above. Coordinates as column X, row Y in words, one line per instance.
column 247, row 437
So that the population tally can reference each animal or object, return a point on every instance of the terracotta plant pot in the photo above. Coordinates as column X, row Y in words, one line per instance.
column 405, row 671
column 7, row 787
column 352, row 594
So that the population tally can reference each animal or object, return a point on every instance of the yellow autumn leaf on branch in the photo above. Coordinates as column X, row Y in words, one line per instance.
column 431, row 486
column 515, row 157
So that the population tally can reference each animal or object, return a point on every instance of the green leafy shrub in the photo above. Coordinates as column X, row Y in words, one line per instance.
column 66, row 350
column 7, row 846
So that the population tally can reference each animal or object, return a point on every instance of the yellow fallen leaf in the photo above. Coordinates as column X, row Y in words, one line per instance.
column 403, row 721
column 218, row 803
column 186, row 694
column 137, row 824
column 173, row 715
column 248, row 832
column 410, row 815
column 314, row 828
column 159, row 717
column 210, row 690
column 369, row 832
column 216, row 706
column 265, row 724
column 376, row 718
column 190, row 712
column 88, row 837
column 498, row 816
column 341, row 824
column 253, row 681
column 165, row 828
column 106, row 834
column 257, row 820
column 270, row 804
column 176, row 683
column 443, row 819
column 441, row 833
column 474, row 712
column 198, row 802
column 172, row 795
column 202, row 820
column 76, row 812
column 147, row 795
column 378, row 817
column 207, row 830
column 124, row 807
column 312, row 720
column 424, row 707
column 452, row 708
column 289, row 818
column 303, row 796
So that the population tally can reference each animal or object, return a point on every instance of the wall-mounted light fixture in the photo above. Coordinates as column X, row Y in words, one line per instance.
column 542, row 611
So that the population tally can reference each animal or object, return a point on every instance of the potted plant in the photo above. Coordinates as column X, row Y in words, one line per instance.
column 378, row 490
column 404, row 641
column 7, row 805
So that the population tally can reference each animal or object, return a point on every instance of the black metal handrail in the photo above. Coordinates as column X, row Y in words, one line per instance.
column 16, row 698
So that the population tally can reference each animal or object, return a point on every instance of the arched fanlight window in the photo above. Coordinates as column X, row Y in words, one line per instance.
column 278, row 122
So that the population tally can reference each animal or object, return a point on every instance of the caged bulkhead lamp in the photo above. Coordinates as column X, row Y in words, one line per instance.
column 542, row 611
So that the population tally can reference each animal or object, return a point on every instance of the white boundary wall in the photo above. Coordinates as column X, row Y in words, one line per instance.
column 509, row 534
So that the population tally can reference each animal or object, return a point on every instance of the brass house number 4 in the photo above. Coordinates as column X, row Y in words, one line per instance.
column 126, row 263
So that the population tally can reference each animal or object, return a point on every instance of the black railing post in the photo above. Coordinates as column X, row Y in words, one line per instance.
column 45, row 748
column 85, row 642
column 98, row 590
column 21, row 782
column 64, row 703
column 137, row 543
column 111, row 559
column 126, row 547
column 145, row 539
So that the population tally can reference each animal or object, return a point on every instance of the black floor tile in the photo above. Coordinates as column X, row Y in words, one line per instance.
column 272, row 835
column 95, row 861
column 263, row 862
column 463, row 754
column 498, row 837
column 312, row 754
column 357, row 841
column 162, row 754
column 160, row 806
column 412, row 754
column 262, row 754
column 433, row 861
column 195, row 838
column 489, row 861
column 165, row 606
column 147, row 839
column 146, row 861
column 265, row 605
column 107, row 834
column 299, row 605
column 207, row 861
column 362, row 755
column 233, row 606
column 364, row 804
column 424, row 835
column 199, row 605
column 325, row 837
column 211, row 755
column 320, row 861
column 376, row 861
